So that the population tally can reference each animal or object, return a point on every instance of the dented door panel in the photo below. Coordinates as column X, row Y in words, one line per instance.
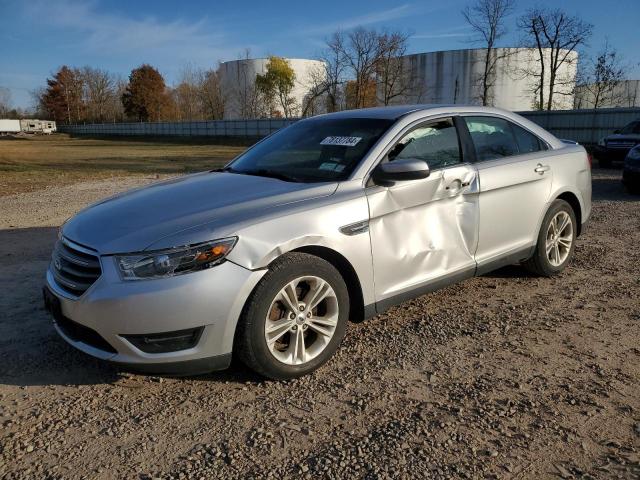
column 424, row 229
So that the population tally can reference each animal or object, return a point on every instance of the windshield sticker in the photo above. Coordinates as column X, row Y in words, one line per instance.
column 334, row 167
column 341, row 141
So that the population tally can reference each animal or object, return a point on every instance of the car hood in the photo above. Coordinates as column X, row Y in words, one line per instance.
column 135, row 220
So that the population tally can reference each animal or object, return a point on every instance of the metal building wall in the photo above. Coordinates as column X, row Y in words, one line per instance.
column 583, row 126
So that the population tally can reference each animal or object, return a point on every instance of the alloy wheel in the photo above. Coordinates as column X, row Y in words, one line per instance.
column 559, row 238
column 301, row 320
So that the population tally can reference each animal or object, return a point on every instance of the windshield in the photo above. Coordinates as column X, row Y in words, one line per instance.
column 633, row 127
column 318, row 150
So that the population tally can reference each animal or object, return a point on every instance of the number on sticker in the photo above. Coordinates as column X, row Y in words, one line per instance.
column 341, row 141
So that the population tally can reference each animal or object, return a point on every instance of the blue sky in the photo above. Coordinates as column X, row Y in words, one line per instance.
column 36, row 37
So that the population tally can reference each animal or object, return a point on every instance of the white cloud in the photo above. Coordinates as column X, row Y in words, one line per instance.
column 453, row 32
column 372, row 18
column 107, row 34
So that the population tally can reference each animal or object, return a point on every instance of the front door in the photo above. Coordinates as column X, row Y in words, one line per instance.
column 424, row 232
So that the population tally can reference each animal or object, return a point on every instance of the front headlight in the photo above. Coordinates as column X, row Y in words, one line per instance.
column 175, row 261
column 634, row 153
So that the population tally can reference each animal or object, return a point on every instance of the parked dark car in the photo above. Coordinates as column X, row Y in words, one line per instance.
column 617, row 146
column 631, row 172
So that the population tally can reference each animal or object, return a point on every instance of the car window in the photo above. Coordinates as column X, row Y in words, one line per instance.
column 434, row 142
column 314, row 150
column 633, row 127
column 527, row 141
column 492, row 137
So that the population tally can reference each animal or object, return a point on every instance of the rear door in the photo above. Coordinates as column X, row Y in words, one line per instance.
column 424, row 231
column 515, row 184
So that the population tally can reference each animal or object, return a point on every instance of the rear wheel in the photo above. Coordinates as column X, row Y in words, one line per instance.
column 556, row 241
column 295, row 318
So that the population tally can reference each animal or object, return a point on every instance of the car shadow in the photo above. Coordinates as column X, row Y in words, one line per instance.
column 607, row 186
column 510, row 271
column 32, row 351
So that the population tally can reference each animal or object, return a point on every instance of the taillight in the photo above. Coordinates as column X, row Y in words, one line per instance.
column 590, row 160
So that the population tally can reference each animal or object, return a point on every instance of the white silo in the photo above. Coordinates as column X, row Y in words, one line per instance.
column 237, row 79
column 455, row 77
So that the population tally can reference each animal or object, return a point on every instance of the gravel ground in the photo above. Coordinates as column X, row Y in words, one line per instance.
column 504, row 376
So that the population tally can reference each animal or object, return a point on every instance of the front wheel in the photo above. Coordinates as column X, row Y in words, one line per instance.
column 556, row 241
column 295, row 318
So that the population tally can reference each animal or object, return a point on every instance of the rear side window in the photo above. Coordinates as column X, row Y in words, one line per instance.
column 498, row 138
column 527, row 141
column 492, row 137
column 435, row 142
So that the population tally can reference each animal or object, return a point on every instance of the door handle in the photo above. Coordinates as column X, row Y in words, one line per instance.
column 541, row 168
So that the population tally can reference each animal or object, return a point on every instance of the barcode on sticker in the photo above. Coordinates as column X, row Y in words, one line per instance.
column 341, row 141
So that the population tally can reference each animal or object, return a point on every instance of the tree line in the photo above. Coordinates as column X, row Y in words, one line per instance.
column 360, row 68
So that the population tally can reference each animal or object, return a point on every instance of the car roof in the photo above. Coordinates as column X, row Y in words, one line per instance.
column 389, row 113
column 394, row 112
column 415, row 112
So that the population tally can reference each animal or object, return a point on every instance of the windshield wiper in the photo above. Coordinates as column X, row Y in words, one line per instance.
column 224, row 169
column 263, row 172
column 260, row 172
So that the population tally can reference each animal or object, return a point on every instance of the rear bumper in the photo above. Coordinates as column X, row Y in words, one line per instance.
column 99, row 321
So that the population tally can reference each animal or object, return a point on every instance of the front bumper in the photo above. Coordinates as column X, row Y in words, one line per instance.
column 113, row 308
column 611, row 153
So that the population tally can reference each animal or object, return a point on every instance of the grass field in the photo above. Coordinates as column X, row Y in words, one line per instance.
column 33, row 163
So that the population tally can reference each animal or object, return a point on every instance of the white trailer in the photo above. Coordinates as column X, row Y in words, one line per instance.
column 9, row 126
column 37, row 126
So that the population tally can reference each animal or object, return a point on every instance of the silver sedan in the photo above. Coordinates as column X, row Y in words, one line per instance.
column 336, row 217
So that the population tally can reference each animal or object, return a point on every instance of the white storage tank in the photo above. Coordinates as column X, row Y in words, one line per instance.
column 455, row 77
column 237, row 80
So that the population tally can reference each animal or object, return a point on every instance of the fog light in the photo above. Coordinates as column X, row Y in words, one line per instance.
column 167, row 341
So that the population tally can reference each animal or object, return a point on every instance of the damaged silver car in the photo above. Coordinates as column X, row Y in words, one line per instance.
column 335, row 218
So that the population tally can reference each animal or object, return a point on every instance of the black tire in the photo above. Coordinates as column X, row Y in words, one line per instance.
column 250, row 343
column 633, row 189
column 539, row 263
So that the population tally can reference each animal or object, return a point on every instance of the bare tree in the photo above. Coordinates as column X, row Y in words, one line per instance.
column 335, row 70
column 486, row 18
column 556, row 36
column 211, row 96
column 361, row 55
column 5, row 101
column 99, row 94
column 317, row 87
column 393, row 77
column 249, row 101
column 600, row 78
column 186, row 95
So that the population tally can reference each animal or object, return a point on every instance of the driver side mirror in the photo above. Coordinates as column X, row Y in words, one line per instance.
column 406, row 169
column 617, row 130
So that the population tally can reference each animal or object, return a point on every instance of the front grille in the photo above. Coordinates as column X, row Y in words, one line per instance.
column 80, row 333
column 74, row 268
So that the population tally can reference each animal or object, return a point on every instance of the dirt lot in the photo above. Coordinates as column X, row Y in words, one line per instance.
column 31, row 163
column 505, row 376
